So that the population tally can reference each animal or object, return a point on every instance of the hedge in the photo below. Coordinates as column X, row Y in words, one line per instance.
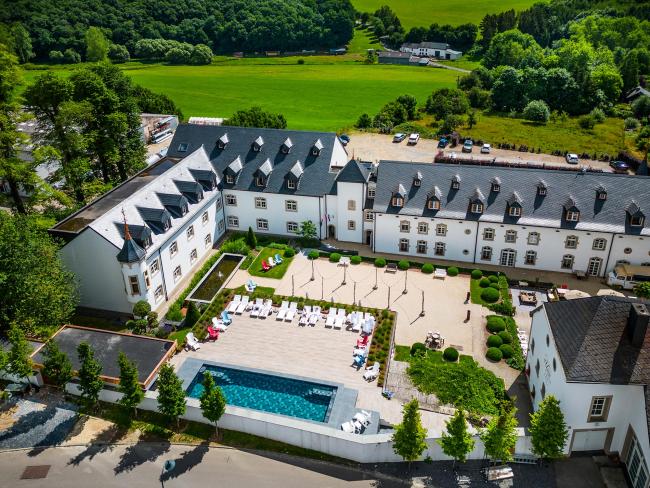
column 403, row 265
column 355, row 259
column 490, row 295
column 476, row 274
column 450, row 354
column 313, row 254
column 495, row 324
column 427, row 268
column 452, row 271
column 505, row 336
column 494, row 285
column 289, row 252
column 335, row 257
column 418, row 348
column 380, row 262
column 494, row 341
column 493, row 279
column 484, row 283
column 494, row 354
column 506, row 350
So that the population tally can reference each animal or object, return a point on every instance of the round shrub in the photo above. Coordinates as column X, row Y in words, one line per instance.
column 380, row 262
column 484, row 283
column 631, row 123
column 477, row 273
column 418, row 348
column 289, row 252
column 506, row 350
column 537, row 111
column 505, row 336
column 452, row 271
column 355, row 259
column 493, row 279
column 403, row 265
column 494, row 354
column 494, row 341
column 494, row 285
column 490, row 295
column 450, row 354
column 427, row 268
column 313, row 254
column 495, row 324
column 335, row 257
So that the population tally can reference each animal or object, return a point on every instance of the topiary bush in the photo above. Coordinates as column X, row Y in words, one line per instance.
column 403, row 265
column 380, row 262
column 313, row 254
column 494, row 341
column 477, row 273
column 490, row 295
column 289, row 252
column 506, row 350
column 494, row 354
column 452, row 271
column 495, row 324
column 427, row 268
column 355, row 259
column 493, row 279
column 450, row 354
column 174, row 313
column 335, row 257
column 418, row 349
column 505, row 336
column 484, row 283
column 494, row 285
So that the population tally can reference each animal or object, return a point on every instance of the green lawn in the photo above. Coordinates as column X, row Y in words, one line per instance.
column 362, row 41
column 276, row 271
column 425, row 12
column 462, row 63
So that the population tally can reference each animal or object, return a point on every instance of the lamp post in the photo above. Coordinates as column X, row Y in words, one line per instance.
column 406, row 273
column 422, row 312
column 354, row 292
column 376, row 271
column 292, row 287
column 388, row 306
column 322, row 287
column 345, row 268
column 312, row 271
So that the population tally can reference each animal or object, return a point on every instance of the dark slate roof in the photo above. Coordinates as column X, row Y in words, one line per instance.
column 130, row 252
column 139, row 233
column 317, row 179
column 562, row 186
column 354, row 172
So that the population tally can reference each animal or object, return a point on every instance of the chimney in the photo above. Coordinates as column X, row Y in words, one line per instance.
column 637, row 323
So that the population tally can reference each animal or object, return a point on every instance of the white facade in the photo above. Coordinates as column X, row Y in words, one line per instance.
column 431, row 50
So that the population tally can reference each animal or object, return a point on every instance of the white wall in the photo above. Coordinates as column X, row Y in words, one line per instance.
column 339, row 154
column 355, row 192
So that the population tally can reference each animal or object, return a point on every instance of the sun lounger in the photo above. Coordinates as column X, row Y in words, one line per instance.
column 359, row 360
column 356, row 323
column 265, row 266
column 266, row 309
column 192, row 342
column 283, row 310
column 304, row 317
column 225, row 317
column 339, row 321
column 241, row 308
column 315, row 315
column 213, row 334
column 218, row 325
column 278, row 258
column 257, row 307
column 250, row 286
column 372, row 372
column 359, row 351
column 362, row 342
column 440, row 273
column 351, row 427
column 363, row 417
column 271, row 261
column 291, row 313
column 232, row 306
column 331, row 317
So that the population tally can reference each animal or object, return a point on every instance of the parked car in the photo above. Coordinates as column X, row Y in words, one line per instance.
column 442, row 143
column 399, row 137
column 619, row 166
column 413, row 139
column 572, row 158
column 345, row 139
column 468, row 146
column 325, row 247
column 485, row 149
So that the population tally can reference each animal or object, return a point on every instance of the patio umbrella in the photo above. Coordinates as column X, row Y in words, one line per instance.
column 608, row 292
column 574, row 294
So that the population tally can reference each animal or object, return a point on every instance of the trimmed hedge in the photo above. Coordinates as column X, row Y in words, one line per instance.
column 494, row 341
column 427, row 268
column 289, row 252
column 418, row 348
column 490, row 295
column 484, row 283
column 403, row 265
column 313, row 254
column 452, row 271
column 380, row 262
column 335, row 257
column 450, row 354
column 493, row 278
column 495, row 324
column 494, row 285
column 476, row 274
column 494, row 354
column 506, row 350
column 355, row 259
column 505, row 336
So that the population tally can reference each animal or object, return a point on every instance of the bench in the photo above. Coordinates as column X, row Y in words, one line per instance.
column 391, row 268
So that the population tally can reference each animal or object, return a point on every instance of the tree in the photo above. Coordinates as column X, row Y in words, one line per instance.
column 409, row 437
column 607, row 78
column 192, row 315
column 70, row 56
column 19, row 361
column 500, row 436
column 56, row 367
column 471, row 119
column 641, row 107
column 371, row 57
column 251, row 240
column 450, row 123
column 548, row 429
column 171, row 396
column 643, row 141
column 213, row 402
column 643, row 289
column 129, row 387
column 364, row 121
column 141, row 308
column 118, row 53
column 537, row 111
column 22, row 42
column 308, row 231
column 447, row 101
column 508, row 90
column 90, row 383
column 96, row 45
column 513, row 48
column 410, row 104
column 256, row 117
column 457, row 442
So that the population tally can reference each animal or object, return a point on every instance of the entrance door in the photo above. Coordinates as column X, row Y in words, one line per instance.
column 589, row 440
column 636, row 467
column 508, row 257
column 331, row 231
column 369, row 238
column 594, row 266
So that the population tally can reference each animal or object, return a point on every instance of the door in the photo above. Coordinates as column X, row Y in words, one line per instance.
column 508, row 257
column 636, row 466
column 589, row 440
column 594, row 266
column 331, row 231
column 369, row 238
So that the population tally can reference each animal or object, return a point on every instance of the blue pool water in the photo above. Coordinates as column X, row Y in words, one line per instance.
column 269, row 393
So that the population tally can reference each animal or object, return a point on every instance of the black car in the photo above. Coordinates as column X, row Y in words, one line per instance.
column 345, row 139
column 330, row 249
column 619, row 166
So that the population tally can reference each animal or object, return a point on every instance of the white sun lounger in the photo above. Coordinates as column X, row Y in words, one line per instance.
column 192, row 342
column 372, row 372
column 257, row 307
column 241, row 308
column 266, row 309
column 315, row 315
column 340, row 319
column 232, row 307
column 440, row 273
column 351, row 427
column 363, row 417
column 331, row 317
column 304, row 317
column 291, row 313
column 356, row 323
column 283, row 310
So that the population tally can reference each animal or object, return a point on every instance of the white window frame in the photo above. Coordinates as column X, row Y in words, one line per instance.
column 291, row 205
column 134, row 285
column 208, row 240
column 599, row 244
column 530, row 258
column 178, row 273
column 205, row 217
column 486, row 253
column 154, row 267
column 421, row 247
column 511, row 236
column 637, row 221
column 158, row 293
column 352, row 225
column 488, row 234
column 571, row 242
column 566, row 259
column 262, row 224
column 291, row 184
column 477, row 208
column 233, row 221
column 397, row 202
column 423, row 228
column 230, row 179
column 368, row 215
column 194, row 255
column 404, row 245
column 189, row 232
column 372, row 191
column 260, row 203
column 260, row 181
column 293, row 227
column 572, row 216
column 515, row 211
column 433, row 204
column 440, row 249
column 231, row 200
column 405, row 226
column 533, row 238
column 599, row 408
column 441, row 230
column 173, row 249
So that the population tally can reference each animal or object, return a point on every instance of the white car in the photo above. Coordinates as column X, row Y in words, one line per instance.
column 485, row 149
column 572, row 158
column 413, row 139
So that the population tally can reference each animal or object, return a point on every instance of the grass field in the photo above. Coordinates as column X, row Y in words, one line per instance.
column 425, row 12
column 276, row 271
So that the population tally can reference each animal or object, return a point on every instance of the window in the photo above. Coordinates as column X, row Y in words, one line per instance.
column 260, row 202
column 177, row 273
column 423, row 228
column 554, row 365
column 496, row 188
column 532, row 346
column 352, row 225
column 572, row 216
column 541, row 191
column 260, row 181
column 567, row 261
column 173, row 249
column 155, row 267
column 135, row 285
column 262, row 224
column 477, row 208
column 416, row 182
column 233, row 221
column 515, row 211
column 205, row 218
column 230, row 179
column 455, row 185
column 533, row 238
column 208, row 240
column 292, row 227
column 543, row 390
column 190, row 233
column 368, row 215
column 291, row 205
column 441, row 230
column 594, row 265
column 220, row 225
column 511, row 236
column 599, row 409
column 147, row 281
column 404, row 245
column 488, row 234
column 231, row 200
column 397, row 201
column 571, row 242
column 548, row 340
column 291, row 184
column 602, row 195
column 371, row 192
column 405, row 226
column 599, row 244
column 219, row 203
column 158, row 293
column 531, row 257
column 434, row 204
column 182, row 147
column 422, row 247
column 637, row 221
column 352, row 205
column 440, row 249
column 486, row 253
column 193, row 256
column 537, row 368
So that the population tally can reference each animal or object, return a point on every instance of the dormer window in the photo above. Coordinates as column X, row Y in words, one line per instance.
column 433, row 204
column 417, row 179
column 572, row 215
column 455, row 183
column 222, row 141
column 637, row 220
column 317, row 148
column 477, row 208
column 291, row 184
column 230, row 179
column 496, row 185
column 286, row 146
column 260, row 181
column 601, row 193
column 182, row 147
column 397, row 201
column 257, row 144
column 541, row 189
column 514, row 211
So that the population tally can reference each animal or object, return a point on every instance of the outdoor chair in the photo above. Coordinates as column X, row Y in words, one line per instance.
column 315, row 315
column 372, row 372
column 391, row 268
column 440, row 273
column 278, row 258
column 304, row 317
column 331, row 317
column 340, row 319
column 218, row 325
column 265, row 266
column 359, row 360
column 283, row 310
column 232, row 306
column 272, row 263
column 257, row 307
column 250, row 286
column 363, row 417
column 225, row 317
column 192, row 342
column 291, row 313
column 213, row 334
column 241, row 308
column 351, row 427
column 266, row 309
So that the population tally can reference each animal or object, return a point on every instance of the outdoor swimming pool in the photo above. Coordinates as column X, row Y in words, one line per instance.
column 269, row 393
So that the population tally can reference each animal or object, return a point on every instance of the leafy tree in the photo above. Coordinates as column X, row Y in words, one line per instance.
column 548, row 429
column 471, row 119
column 192, row 315
column 641, row 107
column 57, row 367
column 643, row 141
column 171, row 397
column 308, row 231
column 492, row 24
column 513, row 48
column 129, row 387
column 90, row 383
column 19, row 361
column 141, row 308
column 213, row 402
column 96, row 45
column 500, row 436
column 22, row 42
column 537, row 111
column 410, row 104
column 606, row 77
column 478, row 98
column 154, row 103
column 56, row 56
column 70, row 56
column 447, row 101
column 643, row 289
column 364, row 121
column 508, row 90
column 450, row 123
column 251, row 240
column 457, row 442
column 118, row 53
column 256, row 117
column 409, row 437
column 371, row 57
